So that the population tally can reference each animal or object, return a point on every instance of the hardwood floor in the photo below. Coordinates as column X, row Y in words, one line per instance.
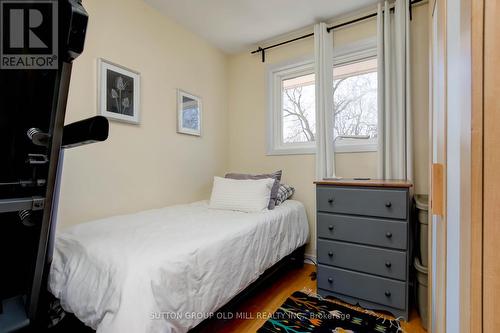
column 267, row 300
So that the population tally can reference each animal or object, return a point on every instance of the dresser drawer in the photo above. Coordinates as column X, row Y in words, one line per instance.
column 367, row 259
column 391, row 203
column 370, row 288
column 364, row 230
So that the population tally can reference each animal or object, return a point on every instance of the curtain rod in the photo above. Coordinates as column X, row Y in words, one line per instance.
column 263, row 50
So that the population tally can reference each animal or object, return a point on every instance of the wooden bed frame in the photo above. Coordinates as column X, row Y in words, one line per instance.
column 294, row 260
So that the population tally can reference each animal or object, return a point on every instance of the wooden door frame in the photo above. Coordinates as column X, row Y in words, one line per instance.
column 437, row 296
column 475, row 323
column 462, row 159
column 490, row 268
column 471, row 153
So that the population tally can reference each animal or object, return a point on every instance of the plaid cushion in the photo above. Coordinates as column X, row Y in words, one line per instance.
column 284, row 192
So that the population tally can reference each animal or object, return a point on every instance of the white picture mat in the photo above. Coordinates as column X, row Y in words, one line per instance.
column 180, row 128
column 102, row 67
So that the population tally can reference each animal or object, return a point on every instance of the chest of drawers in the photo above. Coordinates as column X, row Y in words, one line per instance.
column 364, row 243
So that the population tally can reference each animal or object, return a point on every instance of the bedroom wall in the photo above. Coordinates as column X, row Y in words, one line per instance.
column 148, row 165
column 420, row 96
column 248, row 115
column 248, row 121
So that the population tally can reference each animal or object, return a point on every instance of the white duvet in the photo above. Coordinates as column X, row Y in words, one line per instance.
column 164, row 270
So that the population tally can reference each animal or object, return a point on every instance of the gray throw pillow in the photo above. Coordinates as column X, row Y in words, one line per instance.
column 274, row 191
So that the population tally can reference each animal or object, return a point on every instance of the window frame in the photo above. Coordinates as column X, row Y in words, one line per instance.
column 344, row 55
column 276, row 75
column 353, row 52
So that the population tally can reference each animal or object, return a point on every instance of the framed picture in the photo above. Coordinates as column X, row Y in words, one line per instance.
column 188, row 113
column 119, row 92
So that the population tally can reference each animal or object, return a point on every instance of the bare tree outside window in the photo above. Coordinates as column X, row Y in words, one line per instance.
column 299, row 123
column 355, row 105
column 354, row 99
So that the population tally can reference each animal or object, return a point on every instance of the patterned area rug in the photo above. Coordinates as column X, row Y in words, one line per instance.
column 305, row 312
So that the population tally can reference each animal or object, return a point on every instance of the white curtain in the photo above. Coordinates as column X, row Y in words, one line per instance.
column 323, row 54
column 395, row 134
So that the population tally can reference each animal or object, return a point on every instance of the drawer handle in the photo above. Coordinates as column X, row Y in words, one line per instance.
column 330, row 280
column 330, row 254
column 388, row 234
column 330, row 227
column 330, row 201
column 388, row 264
column 387, row 293
column 388, row 204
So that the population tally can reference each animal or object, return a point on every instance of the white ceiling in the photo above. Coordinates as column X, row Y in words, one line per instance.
column 235, row 25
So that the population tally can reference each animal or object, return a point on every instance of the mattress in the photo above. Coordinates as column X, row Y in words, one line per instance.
column 166, row 270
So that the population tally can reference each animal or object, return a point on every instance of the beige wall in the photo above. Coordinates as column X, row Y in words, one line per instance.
column 248, row 115
column 351, row 165
column 149, row 165
column 248, row 121
column 420, row 96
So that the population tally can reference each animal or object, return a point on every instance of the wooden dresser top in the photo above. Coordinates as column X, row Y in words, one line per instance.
column 365, row 182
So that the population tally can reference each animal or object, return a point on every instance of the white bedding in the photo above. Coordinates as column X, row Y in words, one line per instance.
column 155, row 270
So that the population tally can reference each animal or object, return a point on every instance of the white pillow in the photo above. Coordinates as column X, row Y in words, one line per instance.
column 246, row 195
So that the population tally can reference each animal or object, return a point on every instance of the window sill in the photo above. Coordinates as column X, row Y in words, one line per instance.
column 311, row 150
column 291, row 151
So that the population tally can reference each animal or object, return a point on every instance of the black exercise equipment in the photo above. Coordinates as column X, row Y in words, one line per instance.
column 32, row 136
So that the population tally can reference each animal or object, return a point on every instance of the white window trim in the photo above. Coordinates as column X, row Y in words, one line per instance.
column 356, row 51
column 343, row 55
column 276, row 74
column 353, row 52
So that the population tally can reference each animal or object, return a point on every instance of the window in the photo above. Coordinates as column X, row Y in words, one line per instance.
column 292, row 103
column 355, row 106
column 292, row 116
column 298, row 112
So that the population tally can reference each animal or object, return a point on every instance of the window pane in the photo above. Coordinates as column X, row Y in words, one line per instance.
column 298, row 113
column 355, row 99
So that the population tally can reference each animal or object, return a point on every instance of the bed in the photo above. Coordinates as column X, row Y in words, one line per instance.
column 166, row 270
